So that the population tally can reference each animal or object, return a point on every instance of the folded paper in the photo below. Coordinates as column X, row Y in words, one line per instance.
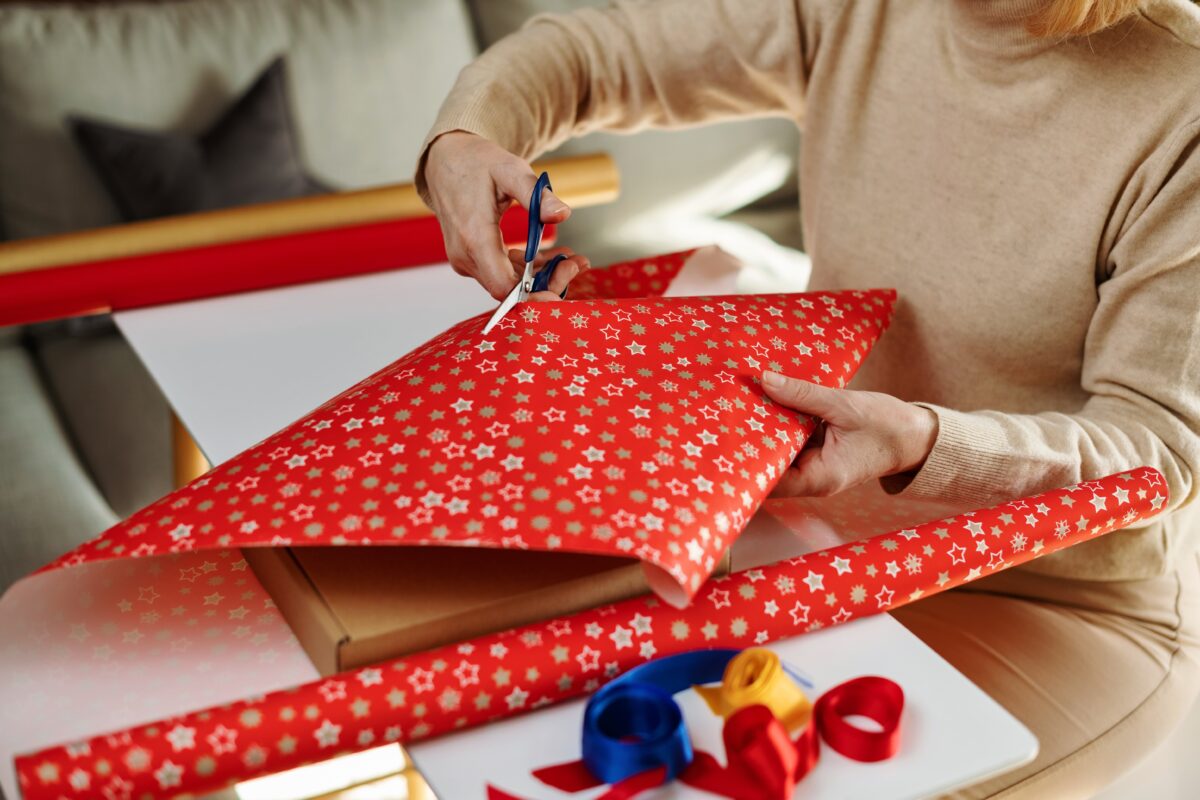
column 500, row 675
column 625, row 427
column 165, row 635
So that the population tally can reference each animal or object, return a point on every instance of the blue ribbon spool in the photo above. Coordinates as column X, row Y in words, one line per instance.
column 633, row 724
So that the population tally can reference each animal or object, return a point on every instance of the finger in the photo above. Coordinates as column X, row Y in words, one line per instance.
column 584, row 263
column 547, row 255
column 485, row 251
column 801, row 395
column 539, row 261
column 810, row 476
column 554, row 209
column 566, row 271
column 788, row 484
column 517, row 258
column 515, row 180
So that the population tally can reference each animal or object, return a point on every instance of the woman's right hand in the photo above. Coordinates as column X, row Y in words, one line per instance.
column 472, row 182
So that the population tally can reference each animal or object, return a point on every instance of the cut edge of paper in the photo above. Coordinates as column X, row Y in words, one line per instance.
column 708, row 271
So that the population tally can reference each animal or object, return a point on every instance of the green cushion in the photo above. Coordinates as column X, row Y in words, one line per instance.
column 110, row 407
column 48, row 504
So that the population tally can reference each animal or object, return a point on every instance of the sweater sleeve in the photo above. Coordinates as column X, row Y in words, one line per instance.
column 630, row 66
column 1141, row 367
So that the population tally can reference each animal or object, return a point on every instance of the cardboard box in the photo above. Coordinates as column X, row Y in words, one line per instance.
column 353, row 606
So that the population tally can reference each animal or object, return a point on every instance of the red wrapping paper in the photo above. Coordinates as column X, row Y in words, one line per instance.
column 497, row 676
column 629, row 426
column 119, row 284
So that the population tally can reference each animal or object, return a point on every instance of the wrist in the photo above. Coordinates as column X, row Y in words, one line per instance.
column 437, row 147
column 919, row 437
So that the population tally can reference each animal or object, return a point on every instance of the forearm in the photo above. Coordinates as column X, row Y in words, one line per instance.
column 984, row 457
column 635, row 65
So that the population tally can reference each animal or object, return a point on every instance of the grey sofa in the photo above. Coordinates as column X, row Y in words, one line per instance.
column 84, row 433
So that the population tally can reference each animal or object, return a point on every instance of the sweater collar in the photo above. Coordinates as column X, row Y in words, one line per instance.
column 997, row 27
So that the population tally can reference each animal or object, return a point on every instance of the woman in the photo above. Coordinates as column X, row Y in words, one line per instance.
column 1027, row 174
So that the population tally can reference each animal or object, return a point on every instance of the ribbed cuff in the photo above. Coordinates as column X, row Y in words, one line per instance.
column 966, row 465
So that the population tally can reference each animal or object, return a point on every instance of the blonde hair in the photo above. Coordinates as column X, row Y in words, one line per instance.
column 1061, row 19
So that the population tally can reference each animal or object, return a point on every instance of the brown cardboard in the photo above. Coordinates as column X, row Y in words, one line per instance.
column 353, row 606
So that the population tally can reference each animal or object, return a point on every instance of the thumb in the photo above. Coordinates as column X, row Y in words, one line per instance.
column 800, row 395
column 517, row 180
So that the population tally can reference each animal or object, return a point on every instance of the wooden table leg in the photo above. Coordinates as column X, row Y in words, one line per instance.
column 189, row 462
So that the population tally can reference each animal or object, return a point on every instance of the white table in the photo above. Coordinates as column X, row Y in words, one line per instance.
column 238, row 368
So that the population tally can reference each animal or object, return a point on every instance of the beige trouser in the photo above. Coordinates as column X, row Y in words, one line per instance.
column 1100, row 672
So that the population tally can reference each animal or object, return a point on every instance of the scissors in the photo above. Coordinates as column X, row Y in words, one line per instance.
column 530, row 282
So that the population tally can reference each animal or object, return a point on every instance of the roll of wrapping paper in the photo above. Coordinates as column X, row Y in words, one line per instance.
column 261, row 246
column 193, row 273
column 580, row 181
column 503, row 674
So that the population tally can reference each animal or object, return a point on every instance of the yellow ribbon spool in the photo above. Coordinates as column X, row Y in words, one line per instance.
column 755, row 676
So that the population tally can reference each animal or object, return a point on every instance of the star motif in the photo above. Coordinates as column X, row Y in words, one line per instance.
column 516, row 698
column 327, row 734
column 814, row 581
column 181, row 737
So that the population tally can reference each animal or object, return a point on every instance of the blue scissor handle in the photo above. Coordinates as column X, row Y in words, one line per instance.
column 541, row 281
column 534, row 240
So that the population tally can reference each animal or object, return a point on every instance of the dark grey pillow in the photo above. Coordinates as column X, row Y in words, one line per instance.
column 249, row 155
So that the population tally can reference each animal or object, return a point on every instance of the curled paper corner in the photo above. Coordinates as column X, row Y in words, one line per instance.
column 709, row 270
column 665, row 586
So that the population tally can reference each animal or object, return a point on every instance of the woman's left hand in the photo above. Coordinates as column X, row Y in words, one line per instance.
column 867, row 435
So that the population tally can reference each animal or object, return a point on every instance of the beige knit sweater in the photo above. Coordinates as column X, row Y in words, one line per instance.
column 1036, row 204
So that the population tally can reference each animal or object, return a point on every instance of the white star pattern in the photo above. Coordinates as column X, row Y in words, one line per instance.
column 353, row 444
column 733, row 611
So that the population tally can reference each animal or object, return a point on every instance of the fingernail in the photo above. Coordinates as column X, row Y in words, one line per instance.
column 773, row 379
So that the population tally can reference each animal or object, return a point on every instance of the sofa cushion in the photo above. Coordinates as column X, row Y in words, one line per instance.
column 247, row 156
column 110, row 407
column 366, row 78
column 48, row 505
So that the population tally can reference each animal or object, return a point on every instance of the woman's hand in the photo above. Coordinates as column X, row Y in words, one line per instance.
column 472, row 182
column 867, row 435
column 566, row 271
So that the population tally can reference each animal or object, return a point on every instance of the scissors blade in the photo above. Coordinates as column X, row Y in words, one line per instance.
column 518, row 294
column 533, row 241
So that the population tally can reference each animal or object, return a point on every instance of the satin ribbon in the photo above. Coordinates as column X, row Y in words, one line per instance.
column 761, row 705
column 764, row 764
column 870, row 696
column 633, row 724
column 756, row 676
column 634, row 737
